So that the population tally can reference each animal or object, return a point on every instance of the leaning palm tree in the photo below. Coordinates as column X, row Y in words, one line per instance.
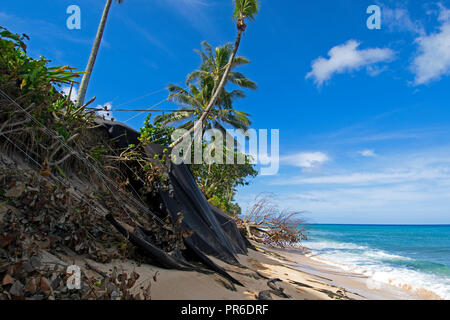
column 200, row 84
column 193, row 102
column 90, row 66
column 214, row 63
column 244, row 9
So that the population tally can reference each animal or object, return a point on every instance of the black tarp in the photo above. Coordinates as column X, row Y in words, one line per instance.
column 215, row 233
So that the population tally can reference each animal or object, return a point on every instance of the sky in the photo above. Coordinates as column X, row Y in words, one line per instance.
column 363, row 113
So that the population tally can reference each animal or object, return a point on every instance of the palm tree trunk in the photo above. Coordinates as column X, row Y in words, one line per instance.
column 216, row 94
column 93, row 56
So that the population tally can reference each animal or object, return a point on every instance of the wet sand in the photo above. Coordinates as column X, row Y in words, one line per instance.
column 301, row 278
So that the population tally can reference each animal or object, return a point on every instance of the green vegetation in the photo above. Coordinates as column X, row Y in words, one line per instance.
column 219, row 182
column 33, row 77
column 155, row 132
column 244, row 9
column 32, row 82
column 207, row 101
column 200, row 84
column 61, row 142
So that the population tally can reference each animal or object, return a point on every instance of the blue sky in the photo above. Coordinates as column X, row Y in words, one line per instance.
column 363, row 114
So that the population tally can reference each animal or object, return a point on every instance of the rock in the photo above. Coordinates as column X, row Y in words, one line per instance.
column 7, row 280
column 264, row 295
column 16, row 289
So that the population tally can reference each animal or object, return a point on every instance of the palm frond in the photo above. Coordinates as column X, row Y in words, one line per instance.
column 235, row 118
column 240, row 61
column 242, row 81
column 173, row 117
column 246, row 9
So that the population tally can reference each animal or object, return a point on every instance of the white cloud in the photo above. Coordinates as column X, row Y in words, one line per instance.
column 433, row 60
column 105, row 111
column 73, row 94
column 444, row 13
column 367, row 153
column 356, row 178
column 347, row 58
column 429, row 170
column 399, row 19
column 407, row 186
column 306, row 160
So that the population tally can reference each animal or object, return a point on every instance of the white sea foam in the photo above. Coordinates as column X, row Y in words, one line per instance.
column 374, row 264
column 319, row 245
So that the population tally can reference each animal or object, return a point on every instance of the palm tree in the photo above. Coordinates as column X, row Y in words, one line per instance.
column 195, row 99
column 243, row 9
column 90, row 66
column 194, row 102
column 214, row 63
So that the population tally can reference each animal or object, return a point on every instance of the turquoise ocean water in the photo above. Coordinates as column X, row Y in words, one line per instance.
column 412, row 257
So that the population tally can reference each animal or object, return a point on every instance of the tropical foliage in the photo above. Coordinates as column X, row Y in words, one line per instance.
column 155, row 132
column 246, row 9
column 200, row 85
column 205, row 100
column 219, row 182
column 33, row 77
column 243, row 9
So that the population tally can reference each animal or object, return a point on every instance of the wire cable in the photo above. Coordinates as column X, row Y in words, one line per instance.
column 81, row 158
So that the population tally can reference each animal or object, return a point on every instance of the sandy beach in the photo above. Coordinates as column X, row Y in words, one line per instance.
column 300, row 278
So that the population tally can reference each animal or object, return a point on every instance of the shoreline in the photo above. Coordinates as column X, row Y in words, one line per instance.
column 363, row 285
column 300, row 278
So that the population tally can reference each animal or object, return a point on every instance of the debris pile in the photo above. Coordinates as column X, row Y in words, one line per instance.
column 39, row 222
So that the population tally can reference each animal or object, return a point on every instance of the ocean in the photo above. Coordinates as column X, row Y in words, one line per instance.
column 415, row 258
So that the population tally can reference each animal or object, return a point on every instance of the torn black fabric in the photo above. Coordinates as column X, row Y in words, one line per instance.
column 215, row 233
